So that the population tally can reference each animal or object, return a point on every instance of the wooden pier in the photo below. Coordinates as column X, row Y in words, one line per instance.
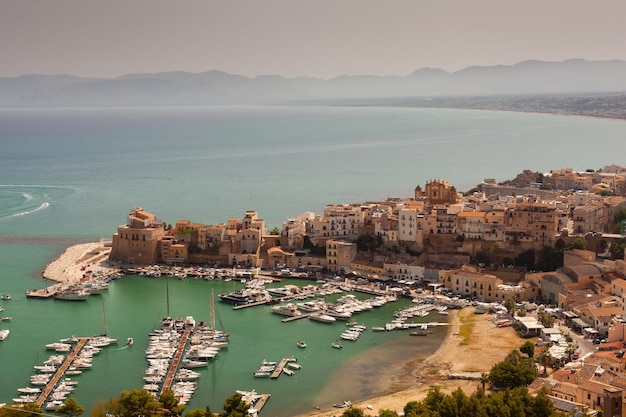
column 281, row 365
column 171, row 373
column 60, row 372
column 257, row 303
column 298, row 317
column 261, row 402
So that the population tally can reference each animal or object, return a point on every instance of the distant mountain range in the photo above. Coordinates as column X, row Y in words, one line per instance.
column 574, row 76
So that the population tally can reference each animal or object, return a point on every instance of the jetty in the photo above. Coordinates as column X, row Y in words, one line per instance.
column 178, row 355
column 298, row 317
column 261, row 402
column 60, row 372
column 280, row 366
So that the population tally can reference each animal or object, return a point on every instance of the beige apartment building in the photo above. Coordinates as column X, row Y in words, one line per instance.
column 339, row 254
column 472, row 224
column 589, row 218
column 534, row 222
column 468, row 282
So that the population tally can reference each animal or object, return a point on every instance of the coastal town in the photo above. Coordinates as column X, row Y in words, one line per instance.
column 481, row 249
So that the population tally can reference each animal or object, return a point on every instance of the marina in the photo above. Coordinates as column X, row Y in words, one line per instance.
column 179, row 351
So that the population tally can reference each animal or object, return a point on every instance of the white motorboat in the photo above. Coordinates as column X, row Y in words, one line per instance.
column 287, row 371
column 4, row 333
column 336, row 345
column 301, row 343
column 186, row 363
column 288, row 309
column 321, row 317
column 29, row 390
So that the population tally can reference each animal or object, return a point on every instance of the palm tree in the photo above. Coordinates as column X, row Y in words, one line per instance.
column 484, row 378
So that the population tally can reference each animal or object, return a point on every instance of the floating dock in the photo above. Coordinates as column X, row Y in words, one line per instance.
column 298, row 317
column 178, row 355
column 281, row 365
column 261, row 402
column 60, row 372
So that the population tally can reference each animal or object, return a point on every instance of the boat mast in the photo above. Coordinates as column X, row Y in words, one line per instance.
column 212, row 317
column 167, row 294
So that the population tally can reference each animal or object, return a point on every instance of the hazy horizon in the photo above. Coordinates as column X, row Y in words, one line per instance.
column 323, row 39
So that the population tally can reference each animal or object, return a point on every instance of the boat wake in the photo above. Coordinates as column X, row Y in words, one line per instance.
column 42, row 206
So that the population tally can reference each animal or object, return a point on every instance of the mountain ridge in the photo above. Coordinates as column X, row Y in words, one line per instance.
column 214, row 87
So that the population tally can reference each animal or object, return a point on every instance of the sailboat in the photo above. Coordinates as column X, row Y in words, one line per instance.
column 167, row 323
column 218, row 337
column 102, row 339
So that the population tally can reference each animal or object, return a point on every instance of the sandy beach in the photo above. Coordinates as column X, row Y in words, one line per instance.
column 473, row 344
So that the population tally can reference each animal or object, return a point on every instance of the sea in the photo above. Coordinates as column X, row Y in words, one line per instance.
column 72, row 175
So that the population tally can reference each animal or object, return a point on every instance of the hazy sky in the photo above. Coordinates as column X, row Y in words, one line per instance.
column 317, row 38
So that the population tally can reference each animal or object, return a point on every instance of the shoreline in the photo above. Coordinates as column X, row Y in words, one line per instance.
column 468, row 336
column 456, row 354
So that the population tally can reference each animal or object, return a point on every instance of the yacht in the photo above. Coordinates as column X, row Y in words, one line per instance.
column 288, row 309
column 324, row 318
column 246, row 296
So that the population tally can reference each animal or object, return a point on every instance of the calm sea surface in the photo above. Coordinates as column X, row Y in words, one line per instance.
column 68, row 175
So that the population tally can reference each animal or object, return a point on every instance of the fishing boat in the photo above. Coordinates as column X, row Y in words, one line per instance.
column 77, row 295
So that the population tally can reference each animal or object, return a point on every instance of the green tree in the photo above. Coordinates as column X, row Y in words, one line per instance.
column 387, row 413
column 484, row 380
column 547, row 320
column 528, row 348
column 434, row 398
column 414, row 408
column 133, row 403
column 70, row 408
column 514, row 371
column 27, row 410
column 526, row 259
column 234, row 406
column 197, row 412
column 169, row 402
column 509, row 304
column 353, row 412
column 544, row 358
column 368, row 243
column 617, row 249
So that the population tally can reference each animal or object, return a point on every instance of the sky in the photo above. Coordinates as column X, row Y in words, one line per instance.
column 296, row 38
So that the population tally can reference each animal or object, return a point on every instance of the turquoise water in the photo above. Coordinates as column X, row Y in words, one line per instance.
column 69, row 175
